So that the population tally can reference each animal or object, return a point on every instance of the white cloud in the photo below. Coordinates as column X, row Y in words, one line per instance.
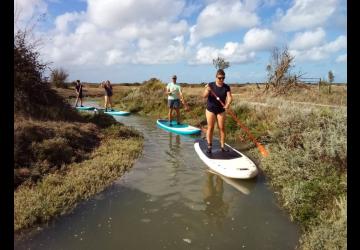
column 62, row 21
column 232, row 52
column 338, row 44
column 259, row 39
column 115, row 32
column 157, row 51
column 114, row 56
column 306, row 14
column 220, row 17
column 320, row 52
column 255, row 39
column 307, row 39
column 342, row 58
column 191, row 8
column 27, row 11
column 112, row 14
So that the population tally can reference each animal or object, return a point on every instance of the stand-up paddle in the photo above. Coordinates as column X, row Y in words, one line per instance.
column 261, row 148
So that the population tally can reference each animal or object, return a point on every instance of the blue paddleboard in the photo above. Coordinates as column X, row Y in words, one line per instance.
column 120, row 113
column 85, row 108
column 182, row 128
column 114, row 112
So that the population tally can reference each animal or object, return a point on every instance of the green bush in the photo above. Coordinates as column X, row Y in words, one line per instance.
column 58, row 78
column 116, row 132
column 56, row 151
column 100, row 119
column 307, row 164
column 33, row 96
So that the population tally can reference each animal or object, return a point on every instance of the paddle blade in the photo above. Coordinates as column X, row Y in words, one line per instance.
column 262, row 150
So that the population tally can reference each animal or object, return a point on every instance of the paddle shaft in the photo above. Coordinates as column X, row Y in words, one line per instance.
column 260, row 147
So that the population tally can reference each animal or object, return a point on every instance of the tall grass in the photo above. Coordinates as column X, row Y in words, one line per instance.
column 331, row 231
column 147, row 99
column 58, row 160
column 41, row 147
column 308, row 165
column 58, row 193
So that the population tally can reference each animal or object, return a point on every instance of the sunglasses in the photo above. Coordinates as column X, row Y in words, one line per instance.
column 221, row 78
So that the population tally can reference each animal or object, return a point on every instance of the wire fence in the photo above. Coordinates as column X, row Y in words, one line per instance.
column 310, row 80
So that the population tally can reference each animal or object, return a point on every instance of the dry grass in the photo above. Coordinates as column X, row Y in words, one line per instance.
column 307, row 165
column 45, row 146
column 59, row 192
column 331, row 232
column 91, row 90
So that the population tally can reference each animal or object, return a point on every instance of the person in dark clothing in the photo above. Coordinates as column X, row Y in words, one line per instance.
column 108, row 94
column 79, row 93
column 215, row 111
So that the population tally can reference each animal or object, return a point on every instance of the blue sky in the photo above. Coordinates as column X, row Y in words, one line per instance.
column 135, row 40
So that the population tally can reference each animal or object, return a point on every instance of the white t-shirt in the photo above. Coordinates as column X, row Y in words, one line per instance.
column 175, row 89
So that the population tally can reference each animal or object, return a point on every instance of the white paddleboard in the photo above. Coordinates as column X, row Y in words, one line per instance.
column 232, row 164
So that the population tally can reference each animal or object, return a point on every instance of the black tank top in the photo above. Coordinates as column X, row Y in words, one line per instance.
column 221, row 92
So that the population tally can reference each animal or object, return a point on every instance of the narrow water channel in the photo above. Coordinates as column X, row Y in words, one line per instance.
column 169, row 200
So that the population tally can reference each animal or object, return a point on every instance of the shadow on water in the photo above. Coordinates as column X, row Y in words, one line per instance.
column 170, row 200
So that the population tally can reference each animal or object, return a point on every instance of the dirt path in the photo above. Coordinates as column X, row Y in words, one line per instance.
column 292, row 102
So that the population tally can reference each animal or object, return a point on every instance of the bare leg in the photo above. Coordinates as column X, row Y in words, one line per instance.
column 178, row 115
column 110, row 102
column 210, row 118
column 77, row 100
column 106, row 101
column 221, row 125
column 170, row 114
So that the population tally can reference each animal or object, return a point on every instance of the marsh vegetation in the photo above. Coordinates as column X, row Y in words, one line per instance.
column 304, row 130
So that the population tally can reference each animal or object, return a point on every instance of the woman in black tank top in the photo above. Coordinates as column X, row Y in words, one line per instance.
column 108, row 94
column 215, row 111
column 79, row 93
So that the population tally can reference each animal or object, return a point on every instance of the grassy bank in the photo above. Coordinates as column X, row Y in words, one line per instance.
column 307, row 165
column 60, row 156
column 59, row 192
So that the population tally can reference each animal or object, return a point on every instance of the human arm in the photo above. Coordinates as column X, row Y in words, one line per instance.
column 228, row 99
column 167, row 90
column 183, row 100
column 207, row 91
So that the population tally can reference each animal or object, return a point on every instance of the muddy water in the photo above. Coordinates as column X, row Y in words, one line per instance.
column 169, row 200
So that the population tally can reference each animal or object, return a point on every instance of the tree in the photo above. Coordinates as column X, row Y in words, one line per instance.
column 58, row 78
column 279, row 73
column 331, row 76
column 220, row 63
column 28, row 72
column 331, row 79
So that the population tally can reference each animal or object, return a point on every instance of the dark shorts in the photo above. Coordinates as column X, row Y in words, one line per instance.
column 174, row 104
column 215, row 110
column 80, row 95
column 108, row 93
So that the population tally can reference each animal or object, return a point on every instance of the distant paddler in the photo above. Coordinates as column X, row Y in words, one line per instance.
column 107, row 94
column 79, row 93
column 175, row 95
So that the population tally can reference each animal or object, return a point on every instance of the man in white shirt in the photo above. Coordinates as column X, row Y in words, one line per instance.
column 174, row 96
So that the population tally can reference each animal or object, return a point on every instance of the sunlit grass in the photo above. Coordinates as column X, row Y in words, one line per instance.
column 59, row 192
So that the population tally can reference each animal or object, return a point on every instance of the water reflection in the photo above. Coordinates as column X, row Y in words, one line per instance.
column 244, row 186
column 174, row 144
column 169, row 201
column 216, row 208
